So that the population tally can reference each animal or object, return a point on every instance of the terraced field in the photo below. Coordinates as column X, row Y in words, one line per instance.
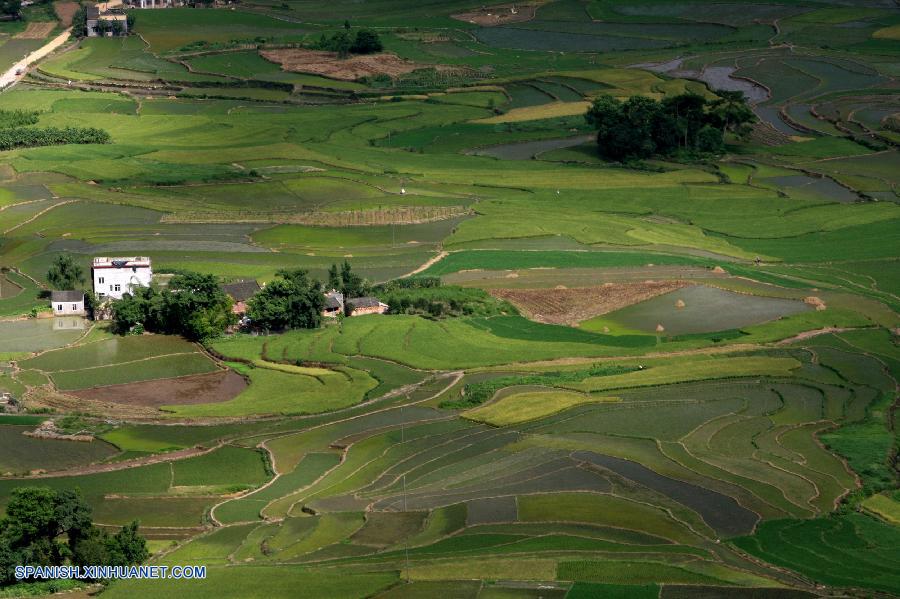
column 711, row 412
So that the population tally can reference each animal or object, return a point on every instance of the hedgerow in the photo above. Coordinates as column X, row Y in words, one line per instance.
column 29, row 137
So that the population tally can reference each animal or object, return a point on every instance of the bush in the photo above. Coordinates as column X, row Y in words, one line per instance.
column 17, row 118
column 29, row 137
column 425, row 296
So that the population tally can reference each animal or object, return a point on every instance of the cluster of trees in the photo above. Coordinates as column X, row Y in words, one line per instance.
column 65, row 274
column 641, row 127
column 291, row 301
column 114, row 27
column 347, row 282
column 294, row 300
column 192, row 305
column 427, row 296
column 29, row 137
column 365, row 41
column 44, row 527
column 18, row 118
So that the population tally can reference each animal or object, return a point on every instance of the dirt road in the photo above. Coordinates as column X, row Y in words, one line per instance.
column 10, row 77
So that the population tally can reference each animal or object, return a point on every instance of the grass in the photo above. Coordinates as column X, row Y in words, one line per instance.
column 533, row 113
column 695, row 370
column 162, row 367
column 607, row 510
column 176, row 184
column 522, row 407
column 631, row 573
column 512, row 260
column 146, row 438
column 492, row 569
column 884, row 507
column 275, row 392
column 227, row 465
column 826, row 549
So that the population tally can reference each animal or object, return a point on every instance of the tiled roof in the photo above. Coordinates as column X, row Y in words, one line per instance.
column 241, row 291
column 364, row 302
column 67, row 296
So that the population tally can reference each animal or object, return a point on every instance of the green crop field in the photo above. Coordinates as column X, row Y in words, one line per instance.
column 651, row 352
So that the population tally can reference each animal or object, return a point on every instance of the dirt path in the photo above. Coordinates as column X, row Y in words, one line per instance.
column 428, row 264
column 815, row 333
column 39, row 214
column 10, row 77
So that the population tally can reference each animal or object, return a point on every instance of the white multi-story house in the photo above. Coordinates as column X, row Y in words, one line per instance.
column 115, row 276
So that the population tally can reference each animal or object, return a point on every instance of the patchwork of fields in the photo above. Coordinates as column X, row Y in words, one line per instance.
column 671, row 377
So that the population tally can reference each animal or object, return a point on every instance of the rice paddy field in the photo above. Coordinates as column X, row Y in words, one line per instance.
column 691, row 393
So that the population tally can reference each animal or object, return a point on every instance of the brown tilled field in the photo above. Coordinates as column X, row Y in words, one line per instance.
column 202, row 388
column 501, row 14
column 36, row 31
column 65, row 11
column 328, row 64
column 571, row 306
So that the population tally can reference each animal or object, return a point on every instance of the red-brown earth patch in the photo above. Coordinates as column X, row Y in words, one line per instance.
column 201, row 388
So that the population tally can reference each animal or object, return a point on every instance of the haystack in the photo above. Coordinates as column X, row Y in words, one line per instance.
column 815, row 302
column 660, row 328
column 680, row 304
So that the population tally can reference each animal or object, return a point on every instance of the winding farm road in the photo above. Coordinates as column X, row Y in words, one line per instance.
column 11, row 77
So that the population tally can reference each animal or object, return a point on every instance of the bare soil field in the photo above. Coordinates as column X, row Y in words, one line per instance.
column 37, row 31
column 203, row 388
column 500, row 14
column 328, row 64
column 65, row 11
column 571, row 306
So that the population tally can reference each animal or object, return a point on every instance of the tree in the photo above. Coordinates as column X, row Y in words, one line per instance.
column 614, row 139
column 689, row 116
column 731, row 113
column 127, row 546
column 47, row 527
column 193, row 305
column 117, row 28
column 334, row 279
column 352, row 285
column 79, row 22
column 710, row 140
column 347, row 24
column 641, row 127
column 366, row 42
column 341, row 43
column 65, row 274
column 11, row 8
column 292, row 301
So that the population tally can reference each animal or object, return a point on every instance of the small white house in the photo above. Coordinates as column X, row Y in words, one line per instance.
column 114, row 276
column 67, row 303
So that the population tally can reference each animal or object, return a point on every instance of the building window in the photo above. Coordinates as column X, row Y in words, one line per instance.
column 118, row 287
column 59, row 307
column 100, row 281
column 74, row 306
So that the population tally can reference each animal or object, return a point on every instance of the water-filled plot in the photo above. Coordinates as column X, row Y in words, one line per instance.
column 702, row 309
